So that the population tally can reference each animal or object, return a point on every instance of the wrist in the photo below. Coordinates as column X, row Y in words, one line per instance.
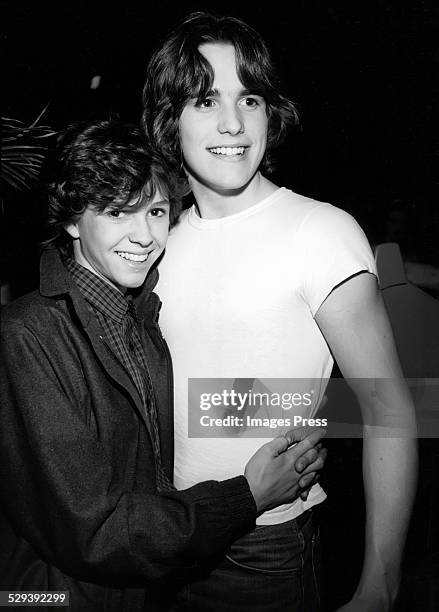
column 378, row 591
column 257, row 497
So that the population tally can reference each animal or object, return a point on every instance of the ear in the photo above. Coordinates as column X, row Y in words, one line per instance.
column 72, row 230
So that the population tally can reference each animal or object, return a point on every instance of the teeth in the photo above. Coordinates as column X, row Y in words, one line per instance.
column 132, row 256
column 228, row 150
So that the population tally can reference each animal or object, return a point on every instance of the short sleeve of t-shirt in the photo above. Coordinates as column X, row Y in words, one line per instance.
column 334, row 248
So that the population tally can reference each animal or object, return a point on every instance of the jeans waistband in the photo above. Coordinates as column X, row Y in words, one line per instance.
column 303, row 518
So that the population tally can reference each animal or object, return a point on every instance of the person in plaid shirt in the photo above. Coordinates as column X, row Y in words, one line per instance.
column 86, row 423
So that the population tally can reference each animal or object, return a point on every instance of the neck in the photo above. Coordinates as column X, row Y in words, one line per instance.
column 213, row 204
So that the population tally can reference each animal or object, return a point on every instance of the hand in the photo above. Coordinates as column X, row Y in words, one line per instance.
column 310, row 477
column 271, row 472
column 364, row 604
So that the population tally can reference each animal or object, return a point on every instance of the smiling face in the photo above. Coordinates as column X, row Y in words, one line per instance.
column 121, row 245
column 223, row 137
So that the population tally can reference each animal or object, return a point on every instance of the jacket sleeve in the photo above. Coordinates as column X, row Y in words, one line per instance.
column 61, row 494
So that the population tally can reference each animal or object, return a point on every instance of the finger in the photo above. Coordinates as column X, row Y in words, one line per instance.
column 277, row 445
column 307, row 442
column 304, row 494
column 298, row 434
column 316, row 465
column 306, row 459
column 307, row 481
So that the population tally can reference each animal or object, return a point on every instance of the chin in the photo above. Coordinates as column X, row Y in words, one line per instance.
column 234, row 184
column 135, row 284
column 131, row 283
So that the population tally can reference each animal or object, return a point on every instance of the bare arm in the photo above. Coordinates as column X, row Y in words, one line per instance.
column 354, row 323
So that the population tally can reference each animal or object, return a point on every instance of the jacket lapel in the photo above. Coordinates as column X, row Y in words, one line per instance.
column 148, row 307
column 56, row 282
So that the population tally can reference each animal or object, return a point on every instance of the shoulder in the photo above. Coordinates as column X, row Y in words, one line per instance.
column 32, row 312
column 326, row 222
column 314, row 221
column 308, row 212
column 288, row 201
column 327, row 216
column 25, row 308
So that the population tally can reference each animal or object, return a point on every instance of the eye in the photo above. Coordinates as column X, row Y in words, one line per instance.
column 205, row 103
column 115, row 213
column 252, row 101
column 159, row 211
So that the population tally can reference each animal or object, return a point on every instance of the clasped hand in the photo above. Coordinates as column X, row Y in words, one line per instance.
column 286, row 467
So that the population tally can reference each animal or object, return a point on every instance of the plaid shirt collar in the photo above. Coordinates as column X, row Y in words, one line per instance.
column 106, row 299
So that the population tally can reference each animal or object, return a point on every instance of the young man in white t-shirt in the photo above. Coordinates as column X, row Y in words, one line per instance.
column 259, row 283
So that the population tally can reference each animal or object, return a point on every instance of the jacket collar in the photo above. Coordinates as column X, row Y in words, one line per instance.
column 56, row 281
column 54, row 278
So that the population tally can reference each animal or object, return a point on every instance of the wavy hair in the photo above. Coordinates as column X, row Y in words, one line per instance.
column 102, row 163
column 178, row 71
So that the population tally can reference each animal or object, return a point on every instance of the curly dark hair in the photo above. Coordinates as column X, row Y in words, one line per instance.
column 99, row 163
column 177, row 72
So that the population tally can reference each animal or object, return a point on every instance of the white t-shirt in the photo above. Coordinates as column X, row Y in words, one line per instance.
column 239, row 297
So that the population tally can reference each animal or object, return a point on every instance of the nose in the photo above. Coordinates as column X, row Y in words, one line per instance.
column 230, row 120
column 140, row 231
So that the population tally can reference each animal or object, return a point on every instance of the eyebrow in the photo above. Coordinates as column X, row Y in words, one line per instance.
column 151, row 204
column 242, row 92
column 212, row 92
column 134, row 207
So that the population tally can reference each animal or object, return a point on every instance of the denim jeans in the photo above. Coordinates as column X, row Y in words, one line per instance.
column 271, row 569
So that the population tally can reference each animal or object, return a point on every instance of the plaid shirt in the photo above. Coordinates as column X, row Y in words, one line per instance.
column 118, row 319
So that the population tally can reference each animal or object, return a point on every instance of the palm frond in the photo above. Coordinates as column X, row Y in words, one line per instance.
column 23, row 150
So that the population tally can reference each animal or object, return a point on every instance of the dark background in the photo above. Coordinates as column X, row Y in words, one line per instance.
column 364, row 76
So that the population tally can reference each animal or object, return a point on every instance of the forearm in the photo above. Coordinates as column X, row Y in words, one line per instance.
column 354, row 322
column 390, row 474
column 182, row 529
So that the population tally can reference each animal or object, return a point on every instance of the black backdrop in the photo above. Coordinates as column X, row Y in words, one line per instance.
column 363, row 73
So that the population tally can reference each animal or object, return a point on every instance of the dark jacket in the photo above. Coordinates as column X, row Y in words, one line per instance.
column 79, row 508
